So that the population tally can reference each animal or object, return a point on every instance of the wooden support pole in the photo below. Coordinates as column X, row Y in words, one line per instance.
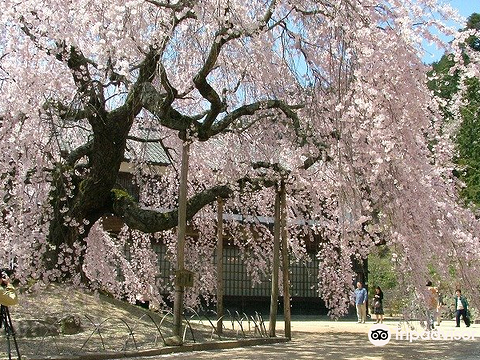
column 220, row 286
column 181, row 231
column 275, row 268
column 285, row 263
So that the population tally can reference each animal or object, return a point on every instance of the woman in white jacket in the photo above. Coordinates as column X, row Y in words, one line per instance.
column 8, row 294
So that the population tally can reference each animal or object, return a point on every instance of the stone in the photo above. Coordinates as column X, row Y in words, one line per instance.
column 35, row 328
column 173, row 341
column 70, row 325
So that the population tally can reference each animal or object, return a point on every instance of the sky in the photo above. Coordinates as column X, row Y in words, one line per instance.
column 465, row 8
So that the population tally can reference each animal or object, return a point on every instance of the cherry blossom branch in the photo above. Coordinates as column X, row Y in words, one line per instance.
column 224, row 35
column 79, row 64
column 154, row 102
column 151, row 221
column 313, row 11
column 179, row 6
column 67, row 112
column 147, row 73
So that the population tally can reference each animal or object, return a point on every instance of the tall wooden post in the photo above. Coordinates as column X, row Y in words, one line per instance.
column 285, row 263
column 181, row 231
column 275, row 267
column 219, row 265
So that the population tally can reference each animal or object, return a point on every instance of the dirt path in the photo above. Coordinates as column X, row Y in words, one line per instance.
column 331, row 340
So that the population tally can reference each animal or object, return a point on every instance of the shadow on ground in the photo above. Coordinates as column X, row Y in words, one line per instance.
column 105, row 326
column 343, row 346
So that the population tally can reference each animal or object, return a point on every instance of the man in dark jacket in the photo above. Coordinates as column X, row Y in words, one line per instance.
column 461, row 308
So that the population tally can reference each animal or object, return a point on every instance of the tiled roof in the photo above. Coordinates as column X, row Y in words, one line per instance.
column 151, row 151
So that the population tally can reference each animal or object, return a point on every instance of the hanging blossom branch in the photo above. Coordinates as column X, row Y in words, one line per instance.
column 223, row 36
column 151, row 221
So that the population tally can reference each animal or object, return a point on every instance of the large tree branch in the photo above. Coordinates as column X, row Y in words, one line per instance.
column 78, row 65
column 251, row 109
column 78, row 153
column 172, row 93
column 200, row 80
column 150, row 221
column 67, row 113
column 133, row 103
column 151, row 66
column 224, row 35
column 154, row 102
column 142, row 93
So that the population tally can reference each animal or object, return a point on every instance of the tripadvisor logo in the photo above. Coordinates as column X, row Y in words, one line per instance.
column 433, row 335
column 379, row 335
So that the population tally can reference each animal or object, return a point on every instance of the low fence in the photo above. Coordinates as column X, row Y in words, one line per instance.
column 117, row 334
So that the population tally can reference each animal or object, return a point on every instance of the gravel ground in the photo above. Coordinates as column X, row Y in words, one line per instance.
column 106, row 325
column 346, row 340
column 116, row 327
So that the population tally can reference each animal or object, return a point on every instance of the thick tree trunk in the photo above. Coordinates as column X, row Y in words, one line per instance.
column 79, row 201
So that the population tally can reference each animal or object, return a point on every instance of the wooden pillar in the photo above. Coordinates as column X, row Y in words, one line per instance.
column 220, row 286
column 285, row 263
column 181, row 231
column 275, row 267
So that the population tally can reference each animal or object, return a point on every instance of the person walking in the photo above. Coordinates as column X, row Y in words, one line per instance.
column 361, row 302
column 432, row 305
column 440, row 305
column 461, row 308
column 378, row 304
